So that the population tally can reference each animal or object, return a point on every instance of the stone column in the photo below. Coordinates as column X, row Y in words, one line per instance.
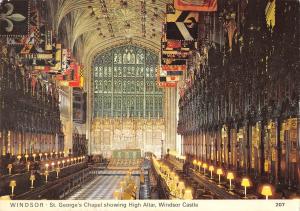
column 298, row 140
column 247, row 155
column 170, row 110
column 278, row 152
column 298, row 151
column 262, row 148
column 89, row 111
column 229, row 142
column 67, row 116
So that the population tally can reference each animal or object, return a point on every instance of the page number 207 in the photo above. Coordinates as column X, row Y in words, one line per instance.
column 279, row 204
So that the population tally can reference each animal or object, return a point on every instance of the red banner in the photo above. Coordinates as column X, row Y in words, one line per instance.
column 76, row 81
column 196, row 5
column 173, row 44
column 174, row 67
column 166, row 84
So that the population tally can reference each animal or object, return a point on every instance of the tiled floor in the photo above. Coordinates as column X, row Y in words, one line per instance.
column 102, row 187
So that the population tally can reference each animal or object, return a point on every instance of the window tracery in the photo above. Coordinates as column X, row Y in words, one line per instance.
column 124, row 84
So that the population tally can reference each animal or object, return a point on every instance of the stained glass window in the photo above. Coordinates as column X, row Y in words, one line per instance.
column 124, row 84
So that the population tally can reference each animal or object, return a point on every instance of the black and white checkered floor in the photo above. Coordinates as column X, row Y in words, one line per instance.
column 102, row 187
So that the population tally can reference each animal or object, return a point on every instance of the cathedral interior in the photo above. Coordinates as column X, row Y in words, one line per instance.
column 149, row 99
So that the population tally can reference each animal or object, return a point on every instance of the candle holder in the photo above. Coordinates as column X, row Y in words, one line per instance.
column 9, row 166
column 63, row 163
column 245, row 183
column 51, row 154
column 57, row 171
column 230, row 176
column 56, row 154
column 32, row 178
column 46, row 166
column 72, row 161
column 28, row 166
column 46, row 176
column 33, row 155
column 46, row 155
column 12, row 184
column 199, row 165
column 40, row 155
column 19, row 158
column 219, row 173
column 188, row 194
column 26, row 157
column 204, row 166
column 52, row 166
column 122, row 186
column 195, row 164
column 117, row 194
column 211, row 169
column 266, row 191
column 60, row 153
column 58, row 163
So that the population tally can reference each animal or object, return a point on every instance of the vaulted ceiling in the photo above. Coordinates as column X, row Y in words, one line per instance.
column 91, row 26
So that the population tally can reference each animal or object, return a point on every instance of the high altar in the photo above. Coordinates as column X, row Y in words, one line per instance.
column 128, row 133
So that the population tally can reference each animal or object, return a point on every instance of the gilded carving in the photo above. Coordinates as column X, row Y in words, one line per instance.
column 129, row 133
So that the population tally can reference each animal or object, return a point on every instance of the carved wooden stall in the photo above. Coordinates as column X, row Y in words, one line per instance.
column 240, row 106
column 29, row 113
